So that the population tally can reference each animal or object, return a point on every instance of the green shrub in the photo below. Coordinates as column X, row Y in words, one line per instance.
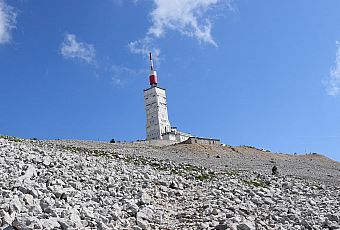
column 9, row 138
column 256, row 183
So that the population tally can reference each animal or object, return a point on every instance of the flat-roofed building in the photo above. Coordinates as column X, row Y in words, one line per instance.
column 202, row 141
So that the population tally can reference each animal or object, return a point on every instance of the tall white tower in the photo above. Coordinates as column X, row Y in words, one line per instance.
column 157, row 120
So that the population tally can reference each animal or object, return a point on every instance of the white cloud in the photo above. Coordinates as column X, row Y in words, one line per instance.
column 188, row 17
column 73, row 49
column 333, row 82
column 185, row 16
column 140, row 46
column 7, row 22
column 120, row 2
column 143, row 47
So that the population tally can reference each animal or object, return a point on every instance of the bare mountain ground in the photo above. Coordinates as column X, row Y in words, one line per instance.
column 230, row 158
column 157, row 185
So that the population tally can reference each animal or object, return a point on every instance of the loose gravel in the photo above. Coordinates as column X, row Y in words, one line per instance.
column 93, row 185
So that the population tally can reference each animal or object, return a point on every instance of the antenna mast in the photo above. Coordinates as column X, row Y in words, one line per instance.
column 153, row 74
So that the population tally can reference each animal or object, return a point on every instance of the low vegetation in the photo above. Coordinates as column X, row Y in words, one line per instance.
column 256, row 183
column 9, row 138
column 206, row 176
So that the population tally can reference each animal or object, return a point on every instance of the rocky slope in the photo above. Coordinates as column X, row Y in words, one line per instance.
column 308, row 166
column 91, row 185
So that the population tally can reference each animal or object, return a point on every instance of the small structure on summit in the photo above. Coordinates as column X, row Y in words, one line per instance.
column 202, row 141
column 157, row 119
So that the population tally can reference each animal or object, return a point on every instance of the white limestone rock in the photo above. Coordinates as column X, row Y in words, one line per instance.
column 145, row 198
column 143, row 224
column 50, row 223
column 145, row 213
column 24, row 221
column 75, row 218
column 7, row 219
column 28, row 199
column 79, row 189
column 15, row 204
column 46, row 203
column 29, row 173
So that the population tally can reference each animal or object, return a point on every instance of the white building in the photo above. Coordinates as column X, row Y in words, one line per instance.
column 157, row 120
column 176, row 135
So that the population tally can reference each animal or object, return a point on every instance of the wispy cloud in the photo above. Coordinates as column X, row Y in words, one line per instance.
column 76, row 50
column 333, row 82
column 7, row 21
column 122, row 74
column 72, row 48
column 186, row 16
column 143, row 47
column 189, row 17
column 120, row 2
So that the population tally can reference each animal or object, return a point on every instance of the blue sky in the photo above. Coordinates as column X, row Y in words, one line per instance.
column 250, row 72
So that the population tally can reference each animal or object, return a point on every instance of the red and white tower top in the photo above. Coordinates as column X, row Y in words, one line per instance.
column 153, row 74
